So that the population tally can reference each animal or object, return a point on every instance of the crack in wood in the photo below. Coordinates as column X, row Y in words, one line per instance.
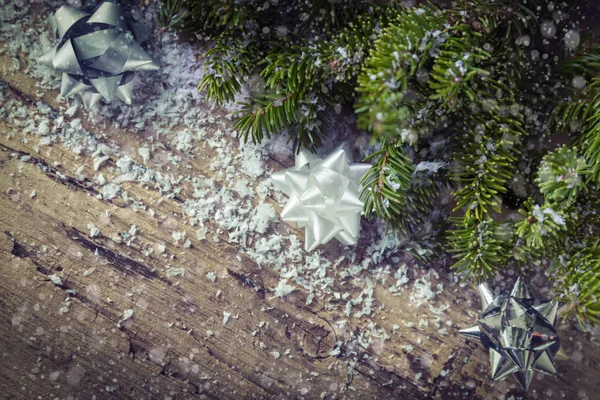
column 25, row 98
column 246, row 281
column 20, row 252
column 53, row 173
column 124, row 264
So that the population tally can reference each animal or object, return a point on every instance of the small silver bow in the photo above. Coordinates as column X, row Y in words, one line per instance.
column 97, row 53
column 323, row 196
column 518, row 332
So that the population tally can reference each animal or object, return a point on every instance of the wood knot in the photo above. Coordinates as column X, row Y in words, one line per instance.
column 318, row 341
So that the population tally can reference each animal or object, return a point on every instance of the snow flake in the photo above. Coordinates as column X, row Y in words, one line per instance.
column 283, row 289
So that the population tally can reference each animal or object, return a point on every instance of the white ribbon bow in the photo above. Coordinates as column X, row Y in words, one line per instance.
column 323, row 196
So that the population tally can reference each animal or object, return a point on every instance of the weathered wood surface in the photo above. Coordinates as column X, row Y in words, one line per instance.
column 176, row 345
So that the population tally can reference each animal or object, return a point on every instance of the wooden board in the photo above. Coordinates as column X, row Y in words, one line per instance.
column 68, row 339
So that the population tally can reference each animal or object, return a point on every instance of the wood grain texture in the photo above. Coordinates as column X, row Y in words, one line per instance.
column 68, row 340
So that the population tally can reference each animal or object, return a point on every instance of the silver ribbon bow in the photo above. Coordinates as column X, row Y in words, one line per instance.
column 97, row 53
column 323, row 196
column 519, row 333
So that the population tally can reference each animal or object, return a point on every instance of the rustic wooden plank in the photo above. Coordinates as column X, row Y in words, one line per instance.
column 176, row 344
column 54, row 216
column 80, row 225
column 157, row 300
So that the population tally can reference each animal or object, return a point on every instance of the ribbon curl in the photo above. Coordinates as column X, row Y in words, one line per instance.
column 323, row 197
column 97, row 53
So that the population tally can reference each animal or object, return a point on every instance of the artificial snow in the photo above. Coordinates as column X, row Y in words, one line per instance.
column 94, row 231
column 55, row 279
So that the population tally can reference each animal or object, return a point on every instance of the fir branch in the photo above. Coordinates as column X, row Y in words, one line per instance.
column 579, row 100
column 578, row 278
column 314, row 72
column 349, row 48
column 311, row 129
column 561, row 176
column 455, row 67
column 384, row 105
column 214, row 16
column 586, row 62
column 267, row 115
column 479, row 246
column 297, row 70
column 542, row 226
column 421, row 197
column 501, row 20
column 302, row 114
column 591, row 137
column 172, row 14
column 492, row 136
column 583, row 113
column 325, row 15
column 385, row 183
column 486, row 164
column 229, row 60
column 227, row 13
